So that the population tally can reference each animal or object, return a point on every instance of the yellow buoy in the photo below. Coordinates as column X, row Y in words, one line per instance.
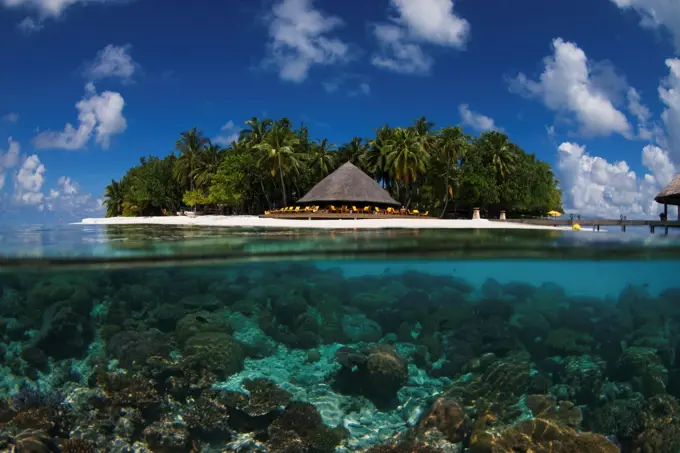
column 576, row 227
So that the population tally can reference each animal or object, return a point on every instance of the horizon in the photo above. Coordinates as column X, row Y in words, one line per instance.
column 593, row 88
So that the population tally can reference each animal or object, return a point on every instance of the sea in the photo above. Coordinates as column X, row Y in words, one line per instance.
column 204, row 339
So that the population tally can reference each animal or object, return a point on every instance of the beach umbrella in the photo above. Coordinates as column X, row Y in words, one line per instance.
column 554, row 213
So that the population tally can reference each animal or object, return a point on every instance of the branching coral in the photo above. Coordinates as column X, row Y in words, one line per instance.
column 125, row 390
column 448, row 417
column 540, row 436
column 206, row 414
column 300, row 428
column 643, row 368
column 214, row 351
column 78, row 446
column 562, row 413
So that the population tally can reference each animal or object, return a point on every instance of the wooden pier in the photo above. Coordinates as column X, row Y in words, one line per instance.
column 597, row 223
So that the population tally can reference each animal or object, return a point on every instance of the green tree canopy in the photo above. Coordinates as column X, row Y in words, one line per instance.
column 444, row 171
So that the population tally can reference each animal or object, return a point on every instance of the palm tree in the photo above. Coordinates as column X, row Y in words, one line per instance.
column 114, row 198
column 322, row 159
column 353, row 151
column 450, row 147
column 279, row 152
column 501, row 150
column 256, row 131
column 190, row 144
column 423, row 127
column 206, row 164
column 375, row 158
column 406, row 156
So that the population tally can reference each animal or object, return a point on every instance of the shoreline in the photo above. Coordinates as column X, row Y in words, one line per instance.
column 259, row 222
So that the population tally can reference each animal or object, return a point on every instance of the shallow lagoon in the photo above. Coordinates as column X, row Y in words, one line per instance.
column 170, row 340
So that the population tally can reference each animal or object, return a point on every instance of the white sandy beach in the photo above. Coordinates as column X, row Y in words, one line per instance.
column 254, row 221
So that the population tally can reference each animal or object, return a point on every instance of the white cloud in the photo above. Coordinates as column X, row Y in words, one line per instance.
column 8, row 159
column 29, row 26
column 112, row 62
column 476, row 120
column 229, row 134
column 568, row 85
column 300, row 38
column 398, row 55
column 642, row 114
column 11, row 117
column 68, row 198
column 592, row 186
column 98, row 113
column 418, row 22
column 669, row 92
column 656, row 14
column 45, row 9
column 29, row 181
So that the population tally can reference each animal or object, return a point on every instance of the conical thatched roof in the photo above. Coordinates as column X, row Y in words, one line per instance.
column 671, row 193
column 348, row 184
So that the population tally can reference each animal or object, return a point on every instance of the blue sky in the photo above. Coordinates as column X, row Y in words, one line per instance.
column 593, row 87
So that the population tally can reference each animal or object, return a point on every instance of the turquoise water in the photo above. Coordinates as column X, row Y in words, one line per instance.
column 135, row 339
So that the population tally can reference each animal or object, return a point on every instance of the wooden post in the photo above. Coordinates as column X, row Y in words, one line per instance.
column 475, row 214
column 665, row 210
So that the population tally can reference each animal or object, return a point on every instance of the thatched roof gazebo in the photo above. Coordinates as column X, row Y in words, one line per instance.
column 348, row 185
column 670, row 195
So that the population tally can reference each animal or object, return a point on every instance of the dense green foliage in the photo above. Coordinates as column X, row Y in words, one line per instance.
column 272, row 164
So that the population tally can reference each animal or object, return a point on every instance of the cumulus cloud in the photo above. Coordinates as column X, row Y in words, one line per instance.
column 592, row 186
column 101, row 114
column 476, row 120
column 29, row 181
column 568, row 85
column 229, row 134
column 669, row 93
column 418, row 22
column 301, row 37
column 45, row 9
column 8, row 159
column 663, row 14
column 112, row 62
column 68, row 198
column 397, row 54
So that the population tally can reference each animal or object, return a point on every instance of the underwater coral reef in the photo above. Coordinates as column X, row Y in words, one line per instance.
column 295, row 358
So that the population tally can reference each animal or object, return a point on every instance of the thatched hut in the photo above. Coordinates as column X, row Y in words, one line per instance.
column 670, row 195
column 348, row 186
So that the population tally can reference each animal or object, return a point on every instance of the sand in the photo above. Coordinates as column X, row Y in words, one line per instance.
column 254, row 221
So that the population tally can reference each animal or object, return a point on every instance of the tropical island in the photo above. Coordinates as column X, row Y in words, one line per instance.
column 271, row 165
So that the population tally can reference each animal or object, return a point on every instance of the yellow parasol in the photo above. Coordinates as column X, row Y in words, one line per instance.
column 554, row 213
